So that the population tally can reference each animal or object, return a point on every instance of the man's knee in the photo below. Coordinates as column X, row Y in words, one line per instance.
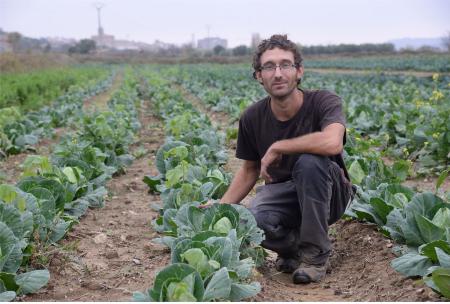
column 271, row 222
column 310, row 163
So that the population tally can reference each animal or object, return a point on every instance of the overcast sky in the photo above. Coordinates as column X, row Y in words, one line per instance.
column 176, row 21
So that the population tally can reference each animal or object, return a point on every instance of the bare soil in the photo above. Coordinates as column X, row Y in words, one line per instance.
column 361, row 271
column 100, row 101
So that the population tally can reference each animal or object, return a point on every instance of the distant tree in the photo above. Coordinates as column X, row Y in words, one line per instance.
column 84, row 46
column 241, row 50
column 428, row 49
column 349, row 48
column 219, row 50
column 14, row 39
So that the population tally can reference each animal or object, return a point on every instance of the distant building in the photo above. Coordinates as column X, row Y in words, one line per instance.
column 103, row 40
column 256, row 40
column 211, row 42
column 58, row 43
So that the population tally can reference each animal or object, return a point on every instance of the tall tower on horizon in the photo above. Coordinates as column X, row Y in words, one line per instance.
column 99, row 7
column 101, row 39
column 256, row 40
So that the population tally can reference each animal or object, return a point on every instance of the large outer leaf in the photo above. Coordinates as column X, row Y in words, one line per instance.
column 11, row 257
column 189, row 219
column 443, row 258
column 7, row 296
column 356, row 173
column 429, row 249
column 55, row 187
column 95, row 197
column 58, row 230
column 46, row 202
column 381, row 208
column 224, row 250
column 441, row 278
column 248, row 227
column 426, row 204
column 412, row 264
column 11, row 195
column 442, row 218
column 366, row 212
column 141, row 297
column 243, row 291
column 396, row 195
column 429, row 231
column 76, row 208
column 15, row 220
column 411, row 230
column 31, row 281
column 393, row 225
column 219, row 287
column 153, row 181
column 7, row 281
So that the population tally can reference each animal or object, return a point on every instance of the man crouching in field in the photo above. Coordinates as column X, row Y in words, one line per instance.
column 293, row 139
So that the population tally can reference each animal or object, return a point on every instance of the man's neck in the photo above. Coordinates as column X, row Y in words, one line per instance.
column 286, row 108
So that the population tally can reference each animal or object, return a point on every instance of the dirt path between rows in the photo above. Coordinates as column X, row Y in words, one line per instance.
column 109, row 254
column 100, row 101
column 360, row 260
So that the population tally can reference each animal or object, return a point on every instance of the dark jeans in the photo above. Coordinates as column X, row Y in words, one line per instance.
column 295, row 214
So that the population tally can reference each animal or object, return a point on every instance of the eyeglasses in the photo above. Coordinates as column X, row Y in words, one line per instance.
column 284, row 67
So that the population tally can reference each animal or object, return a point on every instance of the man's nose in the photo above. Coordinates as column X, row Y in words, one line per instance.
column 278, row 72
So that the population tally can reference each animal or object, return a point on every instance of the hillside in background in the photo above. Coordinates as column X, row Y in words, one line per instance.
column 416, row 43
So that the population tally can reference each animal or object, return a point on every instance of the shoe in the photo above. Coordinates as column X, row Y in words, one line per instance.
column 286, row 265
column 308, row 273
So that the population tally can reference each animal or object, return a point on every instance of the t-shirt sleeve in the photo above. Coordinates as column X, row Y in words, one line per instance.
column 330, row 110
column 245, row 142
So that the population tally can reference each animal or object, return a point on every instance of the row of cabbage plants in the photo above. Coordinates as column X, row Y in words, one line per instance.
column 213, row 250
column 33, row 90
column 20, row 132
column 53, row 193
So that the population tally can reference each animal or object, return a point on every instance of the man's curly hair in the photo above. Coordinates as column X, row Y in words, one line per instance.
column 276, row 41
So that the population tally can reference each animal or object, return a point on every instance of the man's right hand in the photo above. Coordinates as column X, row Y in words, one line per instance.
column 208, row 204
column 270, row 158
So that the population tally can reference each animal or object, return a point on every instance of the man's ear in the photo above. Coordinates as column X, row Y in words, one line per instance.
column 258, row 77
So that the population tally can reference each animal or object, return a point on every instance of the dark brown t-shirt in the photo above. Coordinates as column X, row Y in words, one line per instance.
column 259, row 129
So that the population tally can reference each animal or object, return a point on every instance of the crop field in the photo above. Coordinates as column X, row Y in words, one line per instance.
column 103, row 169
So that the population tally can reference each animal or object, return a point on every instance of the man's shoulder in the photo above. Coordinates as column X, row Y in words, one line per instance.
column 256, row 109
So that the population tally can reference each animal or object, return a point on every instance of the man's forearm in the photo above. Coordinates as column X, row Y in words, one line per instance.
column 321, row 143
column 242, row 184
